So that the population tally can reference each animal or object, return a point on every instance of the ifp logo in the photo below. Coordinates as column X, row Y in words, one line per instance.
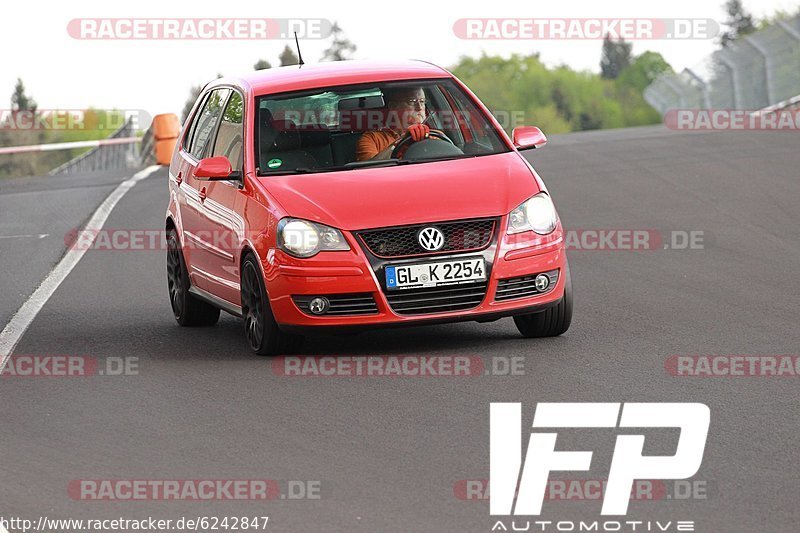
column 627, row 463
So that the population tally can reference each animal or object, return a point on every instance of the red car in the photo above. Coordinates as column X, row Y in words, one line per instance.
column 358, row 194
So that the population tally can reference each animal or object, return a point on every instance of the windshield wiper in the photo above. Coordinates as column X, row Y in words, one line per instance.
column 370, row 163
column 348, row 166
column 277, row 172
column 445, row 158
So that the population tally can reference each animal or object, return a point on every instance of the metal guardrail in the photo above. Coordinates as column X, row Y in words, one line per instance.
column 754, row 72
column 105, row 157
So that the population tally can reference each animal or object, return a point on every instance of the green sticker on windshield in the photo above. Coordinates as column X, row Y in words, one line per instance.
column 274, row 163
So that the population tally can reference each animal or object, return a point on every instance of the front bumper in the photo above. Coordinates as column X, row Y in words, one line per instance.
column 359, row 272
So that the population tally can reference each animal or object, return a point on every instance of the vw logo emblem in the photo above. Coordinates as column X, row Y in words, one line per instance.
column 431, row 239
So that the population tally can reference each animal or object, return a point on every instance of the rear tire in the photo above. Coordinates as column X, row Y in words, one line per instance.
column 187, row 310
column 552, row 321
column 261, row 330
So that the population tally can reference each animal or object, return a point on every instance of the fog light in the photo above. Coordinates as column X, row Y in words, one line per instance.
column 319, row 305
column 542, row 282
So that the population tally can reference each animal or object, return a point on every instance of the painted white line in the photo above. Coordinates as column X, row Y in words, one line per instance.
column 19, row 323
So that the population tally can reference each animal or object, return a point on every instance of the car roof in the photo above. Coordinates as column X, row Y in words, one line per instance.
column 314, row 75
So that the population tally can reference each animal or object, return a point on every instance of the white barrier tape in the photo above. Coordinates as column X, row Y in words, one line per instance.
column 795, row 100
column 67, row 146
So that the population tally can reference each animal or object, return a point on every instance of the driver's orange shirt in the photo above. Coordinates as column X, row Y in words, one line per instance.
column 371, row 143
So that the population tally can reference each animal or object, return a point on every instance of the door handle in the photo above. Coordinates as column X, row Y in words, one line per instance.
column 203, row 194
column 179, row 178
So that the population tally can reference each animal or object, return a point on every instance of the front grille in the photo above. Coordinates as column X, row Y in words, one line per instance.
column 402, row 241
column 341, row 304
column 522, row 287
column 436, row 299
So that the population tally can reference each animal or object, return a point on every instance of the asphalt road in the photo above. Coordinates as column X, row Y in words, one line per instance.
column 389, row 453
column 36, row 214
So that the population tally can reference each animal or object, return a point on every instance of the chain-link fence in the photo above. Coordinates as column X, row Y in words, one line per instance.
column 753, row 72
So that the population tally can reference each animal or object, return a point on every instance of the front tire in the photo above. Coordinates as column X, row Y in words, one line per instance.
column 552, row 321
column 262, row 331
column 187, row 310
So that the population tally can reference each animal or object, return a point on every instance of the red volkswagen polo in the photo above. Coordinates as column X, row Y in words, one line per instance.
column 358, row 194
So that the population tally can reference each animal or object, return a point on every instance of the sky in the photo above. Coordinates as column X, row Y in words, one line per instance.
column 155, row 76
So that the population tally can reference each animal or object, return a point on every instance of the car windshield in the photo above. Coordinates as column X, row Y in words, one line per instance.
column 352, row 127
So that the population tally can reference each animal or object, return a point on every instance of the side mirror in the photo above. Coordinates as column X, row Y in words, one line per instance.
column 526, row 137
column 215, row 168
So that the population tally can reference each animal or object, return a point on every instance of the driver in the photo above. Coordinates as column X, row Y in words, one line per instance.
column 406, row 115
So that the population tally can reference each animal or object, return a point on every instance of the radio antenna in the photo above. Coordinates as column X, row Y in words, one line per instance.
column 299, row 55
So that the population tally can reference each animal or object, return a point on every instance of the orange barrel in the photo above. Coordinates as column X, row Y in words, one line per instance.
column 163, row 150
column 166, row 126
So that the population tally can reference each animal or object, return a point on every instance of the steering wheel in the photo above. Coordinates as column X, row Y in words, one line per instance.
column 404, row 142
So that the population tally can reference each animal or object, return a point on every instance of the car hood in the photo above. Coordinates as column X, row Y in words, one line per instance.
column 408, row 194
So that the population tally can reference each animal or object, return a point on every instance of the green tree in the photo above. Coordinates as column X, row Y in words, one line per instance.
column 630, row 85
column 262, row 64
column 21, row 101
column 341, row 48
column 27, row 164
column 616, row 56
column 739, row 22
column 779, row 14
column 288, row 57
column 643, row 71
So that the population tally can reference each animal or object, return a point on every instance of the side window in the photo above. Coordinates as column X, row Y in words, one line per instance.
column 229, row 137
column 474, row 127
column 187, row 141
column 206, row 121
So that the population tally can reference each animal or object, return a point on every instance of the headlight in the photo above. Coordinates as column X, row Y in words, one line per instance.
column 302, row 238
column 537, row 214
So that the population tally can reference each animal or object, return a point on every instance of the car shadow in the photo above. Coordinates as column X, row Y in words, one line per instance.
column 226, row 340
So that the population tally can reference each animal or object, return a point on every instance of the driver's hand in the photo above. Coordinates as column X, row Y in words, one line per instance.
column 418, row 131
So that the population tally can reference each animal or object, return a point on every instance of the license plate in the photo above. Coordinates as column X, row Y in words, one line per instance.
column 435, row 274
